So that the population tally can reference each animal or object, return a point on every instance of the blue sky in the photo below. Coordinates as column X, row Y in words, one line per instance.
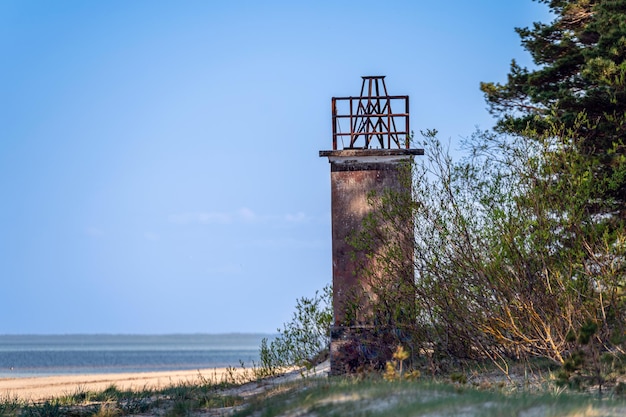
column 159, row 166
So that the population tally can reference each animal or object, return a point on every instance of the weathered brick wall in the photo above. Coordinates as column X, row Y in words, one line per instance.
column 355, row 342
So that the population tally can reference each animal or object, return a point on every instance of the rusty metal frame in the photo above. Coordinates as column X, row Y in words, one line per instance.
column 373, row 117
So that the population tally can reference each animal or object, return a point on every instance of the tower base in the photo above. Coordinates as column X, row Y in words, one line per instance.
column 359, row 348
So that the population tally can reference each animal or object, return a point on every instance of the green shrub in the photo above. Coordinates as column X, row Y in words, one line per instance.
column 302, row 341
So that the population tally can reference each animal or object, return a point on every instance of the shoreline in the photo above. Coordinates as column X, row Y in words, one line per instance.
column 39, row 388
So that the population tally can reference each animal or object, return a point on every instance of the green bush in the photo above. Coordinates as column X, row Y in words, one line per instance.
column 509, row 262
column 304, row 340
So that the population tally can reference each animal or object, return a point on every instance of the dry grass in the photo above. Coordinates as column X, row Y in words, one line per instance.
column 293, row 395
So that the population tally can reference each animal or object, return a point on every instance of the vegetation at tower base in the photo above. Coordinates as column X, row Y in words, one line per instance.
column 581, row 69
column 303, row 341
column 510, row 264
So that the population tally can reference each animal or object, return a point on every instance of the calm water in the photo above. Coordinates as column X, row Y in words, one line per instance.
column 78, row 354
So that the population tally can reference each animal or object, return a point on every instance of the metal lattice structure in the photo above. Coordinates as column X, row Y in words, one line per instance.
column 368, row 120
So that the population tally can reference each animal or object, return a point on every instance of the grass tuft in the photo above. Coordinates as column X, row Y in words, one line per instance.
column 10, row 406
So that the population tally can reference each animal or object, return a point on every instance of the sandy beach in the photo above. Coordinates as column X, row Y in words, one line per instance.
column 41, row 388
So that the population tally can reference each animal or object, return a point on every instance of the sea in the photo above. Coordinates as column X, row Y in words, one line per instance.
column 47, row 355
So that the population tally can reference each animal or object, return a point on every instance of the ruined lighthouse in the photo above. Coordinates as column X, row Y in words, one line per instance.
column 370, row 155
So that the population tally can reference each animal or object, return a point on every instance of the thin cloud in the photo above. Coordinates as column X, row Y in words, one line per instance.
column 247, row 215
column 299, row 217
column 201, row 217
column 285, row 243
column 243, row 214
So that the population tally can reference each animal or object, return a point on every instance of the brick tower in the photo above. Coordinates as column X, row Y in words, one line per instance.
column 372, row 159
